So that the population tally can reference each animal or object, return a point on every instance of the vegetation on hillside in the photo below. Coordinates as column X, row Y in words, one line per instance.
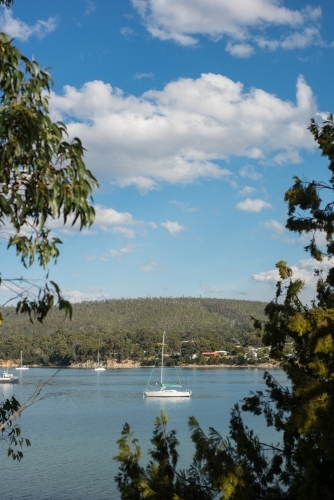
column 131, row 329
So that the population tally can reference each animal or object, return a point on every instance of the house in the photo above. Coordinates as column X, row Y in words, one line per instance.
column 210, row 354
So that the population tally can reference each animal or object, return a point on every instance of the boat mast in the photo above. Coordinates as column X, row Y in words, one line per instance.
column 162, row 358
column 21, row 359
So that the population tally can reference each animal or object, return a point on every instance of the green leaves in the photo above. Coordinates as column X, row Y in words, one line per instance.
column 306, row 196
column 10, row 433
column 43, row 176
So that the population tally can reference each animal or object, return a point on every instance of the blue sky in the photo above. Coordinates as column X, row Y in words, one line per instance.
column 194, row 114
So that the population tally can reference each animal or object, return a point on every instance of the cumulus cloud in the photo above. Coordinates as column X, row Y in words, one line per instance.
column 303, row 270
column 20, row 30
column 172, row 227
column 275, row 226
column 151, row 267
column 241, row 50
column 250, row 205
column 178, row 134
column 106, row 220
column 183, row 21
column 297, row 40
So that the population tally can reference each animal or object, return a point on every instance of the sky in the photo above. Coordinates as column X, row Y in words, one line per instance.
column 194, row 115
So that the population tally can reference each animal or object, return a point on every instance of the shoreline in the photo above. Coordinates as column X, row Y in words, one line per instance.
column 133, row 364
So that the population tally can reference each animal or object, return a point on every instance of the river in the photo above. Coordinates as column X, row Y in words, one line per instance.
column 73, row 430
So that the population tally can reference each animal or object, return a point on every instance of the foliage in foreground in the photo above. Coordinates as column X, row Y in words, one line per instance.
column 241, row 467
column 42, row 178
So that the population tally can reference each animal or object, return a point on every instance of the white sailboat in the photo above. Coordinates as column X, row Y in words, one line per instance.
column 166, row 390
column 22, row 367
column 99, row 368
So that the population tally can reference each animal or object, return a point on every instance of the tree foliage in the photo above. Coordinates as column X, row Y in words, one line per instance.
column 241, row 466
column 42, row 177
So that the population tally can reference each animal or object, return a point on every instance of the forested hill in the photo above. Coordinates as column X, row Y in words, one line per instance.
column 131, row 326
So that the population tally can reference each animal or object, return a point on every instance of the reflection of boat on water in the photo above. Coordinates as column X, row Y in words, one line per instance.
column 99, row 368
column 8, row 378
column 22, row 367
column 166, row 390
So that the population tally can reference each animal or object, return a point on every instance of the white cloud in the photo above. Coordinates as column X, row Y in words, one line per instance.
column 249, row 171
column 247, row 190
column 303, row 270
column 297, row 40
column 183, row 21
column 275, row 226
column 106, row 220
column 172, row 227
column 250, row 205
column 241, row 50
column 152, row 267
column 18, row 29
column 177, row 134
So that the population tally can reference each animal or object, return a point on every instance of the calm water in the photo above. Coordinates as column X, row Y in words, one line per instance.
column 73, row 431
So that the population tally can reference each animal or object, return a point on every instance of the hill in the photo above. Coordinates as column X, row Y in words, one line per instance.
column 130, row 328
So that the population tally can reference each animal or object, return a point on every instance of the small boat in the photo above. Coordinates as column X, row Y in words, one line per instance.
column 166, row 390
column 8, row 378
column 99, row 368
column 22, row 367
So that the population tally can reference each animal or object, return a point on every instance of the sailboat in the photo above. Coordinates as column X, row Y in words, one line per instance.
column 166, row 390
column 99, row 368
column 22, row 367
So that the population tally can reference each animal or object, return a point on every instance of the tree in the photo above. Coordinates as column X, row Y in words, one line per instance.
column 241, row 467
column 42, row 177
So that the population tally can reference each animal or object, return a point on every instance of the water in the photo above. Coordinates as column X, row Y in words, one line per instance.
column 74, row 429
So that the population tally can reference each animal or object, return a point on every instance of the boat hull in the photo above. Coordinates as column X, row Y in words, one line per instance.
column 167, row 394
column 9, row 380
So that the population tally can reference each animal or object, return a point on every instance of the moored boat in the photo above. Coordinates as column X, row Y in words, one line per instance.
column 8, row 378
column 99, row 368
column 166, row 390
column 22, row 367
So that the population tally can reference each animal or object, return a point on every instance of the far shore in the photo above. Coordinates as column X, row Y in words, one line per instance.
column 111, row 365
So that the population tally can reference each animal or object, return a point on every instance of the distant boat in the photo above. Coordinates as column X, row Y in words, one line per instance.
column 8, row 378
column 22, row 367
column 99, row 368
column 166, row 390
